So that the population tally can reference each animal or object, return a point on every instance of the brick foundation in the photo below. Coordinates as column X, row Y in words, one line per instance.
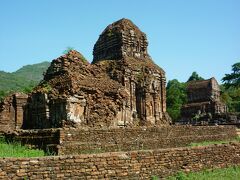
column 75, row 141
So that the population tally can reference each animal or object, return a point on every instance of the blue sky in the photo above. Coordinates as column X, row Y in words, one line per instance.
column 184, row 35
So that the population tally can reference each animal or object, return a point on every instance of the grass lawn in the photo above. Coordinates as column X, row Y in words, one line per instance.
column 206, row 143
column 231, row 173
column 17, row 150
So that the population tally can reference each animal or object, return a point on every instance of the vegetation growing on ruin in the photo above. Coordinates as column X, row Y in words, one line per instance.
column 46, row 87
column 140, row 76
column 110, row 33
column 214, row 174
column 68, row 49
column 15, row 149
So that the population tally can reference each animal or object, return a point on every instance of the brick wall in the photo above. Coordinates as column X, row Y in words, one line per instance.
column 12, row 112
column 75, row 141
column 121, row 165
column 46, row 139
column 80, row 141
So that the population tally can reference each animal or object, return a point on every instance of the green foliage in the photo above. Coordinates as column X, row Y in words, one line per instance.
column 48, row 152
column 207, row 143
column 231, row 89
column 176, row 97
column 79, row 55
column 15, row 149
column 233, row 79
column 2, row 94
column 46, row 87
column 155, row 178
column 195, row 77
column 140, row 76
column 181, row 176
column 23, row 80
column 110, row 33
column 212, row 174
column 83, row 58
column 68, row 49
column 29, row 87
column 231, row 96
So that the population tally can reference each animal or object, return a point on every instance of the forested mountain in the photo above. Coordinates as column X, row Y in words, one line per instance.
column 23, row 79
column 32, row 72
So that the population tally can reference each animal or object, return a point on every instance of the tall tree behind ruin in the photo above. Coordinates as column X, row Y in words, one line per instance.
column 233, row 79
column 195, row 77
column 231, row 89
column 176, row 97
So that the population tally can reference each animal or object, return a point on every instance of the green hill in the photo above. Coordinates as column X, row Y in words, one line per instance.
column 23, row 79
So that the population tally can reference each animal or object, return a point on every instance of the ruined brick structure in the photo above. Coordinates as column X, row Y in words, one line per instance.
column 203, row 101
column 122, row 86
column 12, row 112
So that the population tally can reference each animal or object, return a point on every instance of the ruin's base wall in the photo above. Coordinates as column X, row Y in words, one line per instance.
column 80, row 141
column 75, row 141
column 121, row 165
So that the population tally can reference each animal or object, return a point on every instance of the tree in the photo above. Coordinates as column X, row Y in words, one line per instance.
column 176, row 97
column 233, row 79
column 2, row 94
column 231, row 89
column 28, row 88
column 231, row 96
column 195, row 77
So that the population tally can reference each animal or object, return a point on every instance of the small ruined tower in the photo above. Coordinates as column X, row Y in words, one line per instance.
column 203, row 102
